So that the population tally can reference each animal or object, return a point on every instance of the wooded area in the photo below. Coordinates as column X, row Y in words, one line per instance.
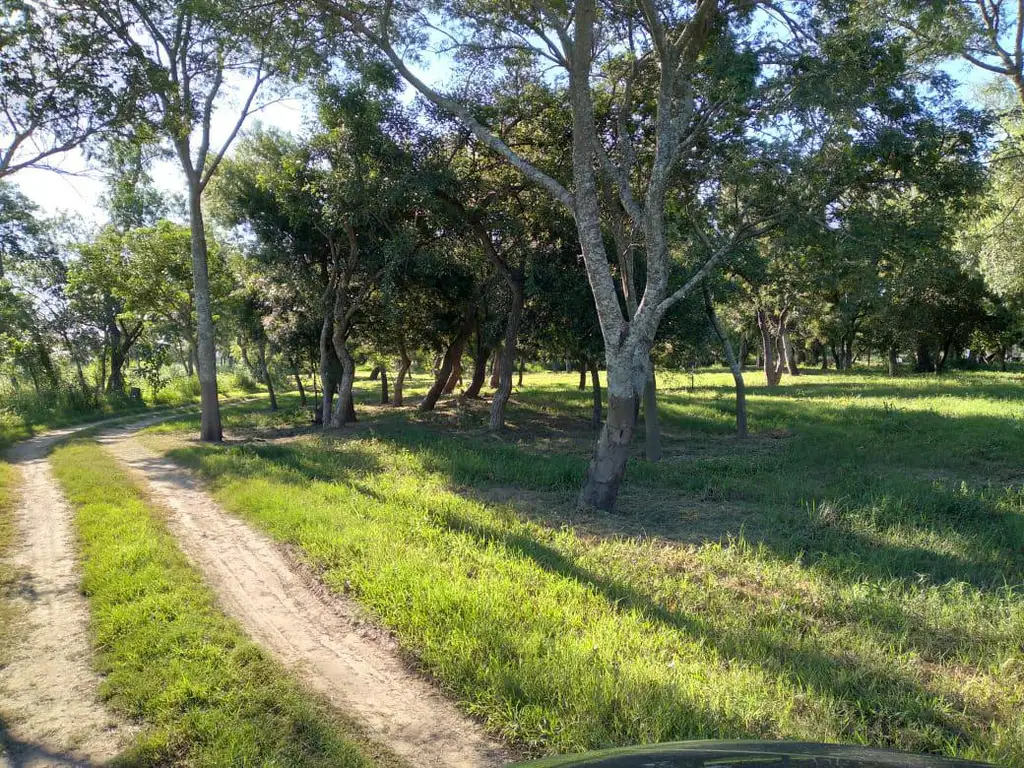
column 630, row 186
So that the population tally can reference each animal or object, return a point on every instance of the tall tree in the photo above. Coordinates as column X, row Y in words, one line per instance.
column 192, row 55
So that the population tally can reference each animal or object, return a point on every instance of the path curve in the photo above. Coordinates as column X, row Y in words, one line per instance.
column 314, row 633
column 50, row 693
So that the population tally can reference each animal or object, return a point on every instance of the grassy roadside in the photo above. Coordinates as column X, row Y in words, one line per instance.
column 171, row 660
column 7, row 612
column 855, row 580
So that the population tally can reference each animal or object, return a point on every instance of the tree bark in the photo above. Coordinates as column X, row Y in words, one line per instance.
column 734, row 365
column 522, row 369
column 117, row 359
column 210, row 427
column 789, row 354
column 652, row 427
column 298, row 384
column 453, row 352
column 483, row 354
column 261, row 350
column 596, row 413
column 496, row 367
column 329, row 364
column 507, row 365
column 772, row 371
column 455, row 377
column 608, row 464
column 894, row 363
column 583, row 376
column 384, row 397
column 344, row 409
column 403, row 370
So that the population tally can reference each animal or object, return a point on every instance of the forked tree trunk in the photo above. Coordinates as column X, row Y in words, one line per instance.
column 453, row 353
column 734, row 365
column 210, row 427
column 597, row 407
column 403, row 369
column 652, row 427
column 507, row 365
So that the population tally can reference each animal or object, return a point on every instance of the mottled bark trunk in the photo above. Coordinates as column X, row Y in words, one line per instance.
column 210, row 427
column 608, row 464
column 496, row 367
column 344, row 409
column 507, row 365
column 597, row 406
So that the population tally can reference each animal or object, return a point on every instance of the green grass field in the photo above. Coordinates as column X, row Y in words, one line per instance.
column 851, row 573
column 170, row 659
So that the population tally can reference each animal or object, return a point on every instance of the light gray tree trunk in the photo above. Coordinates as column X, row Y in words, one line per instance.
column 596, row 414
column 652, row 427
column 734, row 365
column 507, row 366
column 210, row 427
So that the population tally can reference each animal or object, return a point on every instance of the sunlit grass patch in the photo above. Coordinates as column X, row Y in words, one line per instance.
column 170, row 659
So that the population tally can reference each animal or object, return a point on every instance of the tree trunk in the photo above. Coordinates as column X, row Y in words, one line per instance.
column 522, row 368
column 608, row 464
column 117, row 359
column 734, row 365
column 1002, row 358
column 743, row 350
column 894, row 363
column 210, row 428
column 789, row 354
column 403, row 370
column 298, row 384
column 507, row 365
column 772, row 371
column 583, row 375
column 652, row 427
column 261, row 350
column 483, row 354
column 384, row 397
column 495, row 367
column 344, row 409
column 596, row 414
column 453, row 353
column 329, row 365
column 455, row 377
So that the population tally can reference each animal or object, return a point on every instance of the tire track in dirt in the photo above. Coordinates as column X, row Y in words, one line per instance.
column 316, row 634
column 52, row 713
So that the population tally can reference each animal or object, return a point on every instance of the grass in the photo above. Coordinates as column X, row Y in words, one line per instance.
column 24, row 413
column 170, row 659
column 852, row 573
column 7, row 576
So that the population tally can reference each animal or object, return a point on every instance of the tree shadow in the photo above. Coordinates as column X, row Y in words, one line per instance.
column 803, row 662
column 21, row 754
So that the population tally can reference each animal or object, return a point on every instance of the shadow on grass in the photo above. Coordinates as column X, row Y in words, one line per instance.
column 881, row 692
